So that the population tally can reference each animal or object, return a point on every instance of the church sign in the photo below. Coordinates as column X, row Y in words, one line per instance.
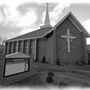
column 16, row 63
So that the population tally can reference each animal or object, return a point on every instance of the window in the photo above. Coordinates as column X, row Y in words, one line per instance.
column 20, row 46
column 10, row 47
column 7, row 48
column 26, row 44
column 33, row 48
column 15, row 46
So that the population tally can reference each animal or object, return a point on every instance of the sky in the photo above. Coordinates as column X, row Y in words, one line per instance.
column 18, row 17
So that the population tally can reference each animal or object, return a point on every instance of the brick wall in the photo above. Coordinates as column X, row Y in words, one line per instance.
column 45, row 48
column 42, row 48
column 77, row 45
column 50, row 50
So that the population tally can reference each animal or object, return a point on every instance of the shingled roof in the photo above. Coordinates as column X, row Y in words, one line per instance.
column 35, row 34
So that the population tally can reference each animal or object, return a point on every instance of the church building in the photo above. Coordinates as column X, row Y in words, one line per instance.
column 64, row 43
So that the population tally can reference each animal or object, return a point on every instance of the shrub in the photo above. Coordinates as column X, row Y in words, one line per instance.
column 50, row 74
column 82, row 62
column 49, row 79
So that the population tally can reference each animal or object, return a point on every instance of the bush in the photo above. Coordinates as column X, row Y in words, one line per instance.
column 82, row 62
column 49, row 79
column 50, row 74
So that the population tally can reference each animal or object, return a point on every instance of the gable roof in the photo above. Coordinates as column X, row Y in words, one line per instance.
column 17, row 55
column 42, row 32
column 32, row 35
column 73, row 19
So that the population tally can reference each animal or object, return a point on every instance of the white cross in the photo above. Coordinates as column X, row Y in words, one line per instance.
column 68, row 37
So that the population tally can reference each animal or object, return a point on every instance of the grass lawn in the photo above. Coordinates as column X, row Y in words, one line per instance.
column 67, row 78
column 31, row 81
column 73, row 77
column 40, row 66
column 87, row 68
column 60, row 79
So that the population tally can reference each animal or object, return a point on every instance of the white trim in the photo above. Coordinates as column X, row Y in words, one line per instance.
column 22, row 49
column 26, row 46
column 5, row 48
column 25, row 39
column 74, row 24
column 12, row 47
column 35, row 49
column 17, row 46
column 8, row 48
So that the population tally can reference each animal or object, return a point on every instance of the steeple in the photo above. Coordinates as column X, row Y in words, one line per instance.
column 47, row 20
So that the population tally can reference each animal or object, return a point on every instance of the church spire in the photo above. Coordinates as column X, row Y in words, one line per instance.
column 47, row 20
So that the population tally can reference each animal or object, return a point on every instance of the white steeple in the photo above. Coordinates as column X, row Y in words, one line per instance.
column 47, row 20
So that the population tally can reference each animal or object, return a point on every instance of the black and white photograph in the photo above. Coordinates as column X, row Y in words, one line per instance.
column 44, row 44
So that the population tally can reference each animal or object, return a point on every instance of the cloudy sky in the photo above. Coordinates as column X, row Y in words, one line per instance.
column 22, row 16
